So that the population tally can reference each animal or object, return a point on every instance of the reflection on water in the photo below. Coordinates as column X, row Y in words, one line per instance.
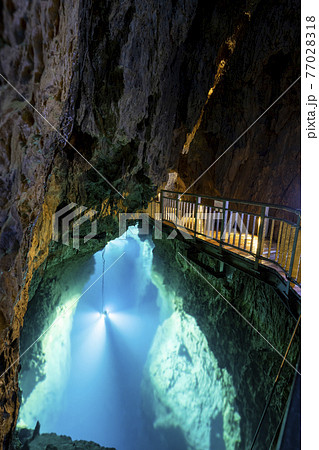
column 143, row 377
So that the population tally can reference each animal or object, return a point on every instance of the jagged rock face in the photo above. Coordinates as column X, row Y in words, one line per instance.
column 37, row 47
column 260, row 63
column 125, row 82
column 187, row 388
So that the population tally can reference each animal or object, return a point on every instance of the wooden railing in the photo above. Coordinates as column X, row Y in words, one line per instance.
column 268, row 234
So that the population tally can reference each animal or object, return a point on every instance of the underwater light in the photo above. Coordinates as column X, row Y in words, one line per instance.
column 105, row 314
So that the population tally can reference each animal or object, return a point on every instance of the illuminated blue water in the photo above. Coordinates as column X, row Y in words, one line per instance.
column 102, row 400
column 94, row 365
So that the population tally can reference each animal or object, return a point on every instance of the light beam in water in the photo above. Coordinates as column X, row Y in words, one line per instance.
column 102, row 351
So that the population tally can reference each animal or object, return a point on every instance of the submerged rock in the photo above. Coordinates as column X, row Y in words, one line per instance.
column 27, row 439
column 186, row 389
column 238, row 348
column 51, row 441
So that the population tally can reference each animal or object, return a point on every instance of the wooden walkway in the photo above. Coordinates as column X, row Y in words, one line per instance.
column 262, row 233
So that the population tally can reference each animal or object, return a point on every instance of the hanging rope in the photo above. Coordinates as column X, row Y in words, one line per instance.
column 103, row 270
column 274, row 386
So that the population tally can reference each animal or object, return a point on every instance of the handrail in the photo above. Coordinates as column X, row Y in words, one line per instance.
column 262, row 237
column 235, row 200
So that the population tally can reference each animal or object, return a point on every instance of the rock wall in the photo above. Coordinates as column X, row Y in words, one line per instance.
column 257, row 63
column 37, row 47
column 125, row 82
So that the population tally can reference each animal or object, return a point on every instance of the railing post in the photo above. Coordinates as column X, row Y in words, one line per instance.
column 176, row 210
column 162, row 204
column 293, row 252
column 196, row 208
column 260, row 236
column 266, row 220
column 222, row 230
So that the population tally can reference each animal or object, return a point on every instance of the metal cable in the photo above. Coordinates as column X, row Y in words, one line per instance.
column 103, row 258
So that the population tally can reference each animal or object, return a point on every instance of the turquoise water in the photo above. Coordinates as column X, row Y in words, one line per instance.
column 102, row 399
column 141, row 378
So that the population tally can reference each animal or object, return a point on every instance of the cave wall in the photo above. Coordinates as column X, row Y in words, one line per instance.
column 37, row 51
column 125, row 82
column 261, row 60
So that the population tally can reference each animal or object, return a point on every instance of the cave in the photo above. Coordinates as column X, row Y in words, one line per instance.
column 150, row 242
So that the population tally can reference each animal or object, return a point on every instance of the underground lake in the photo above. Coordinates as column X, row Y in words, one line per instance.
column 126, row 361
